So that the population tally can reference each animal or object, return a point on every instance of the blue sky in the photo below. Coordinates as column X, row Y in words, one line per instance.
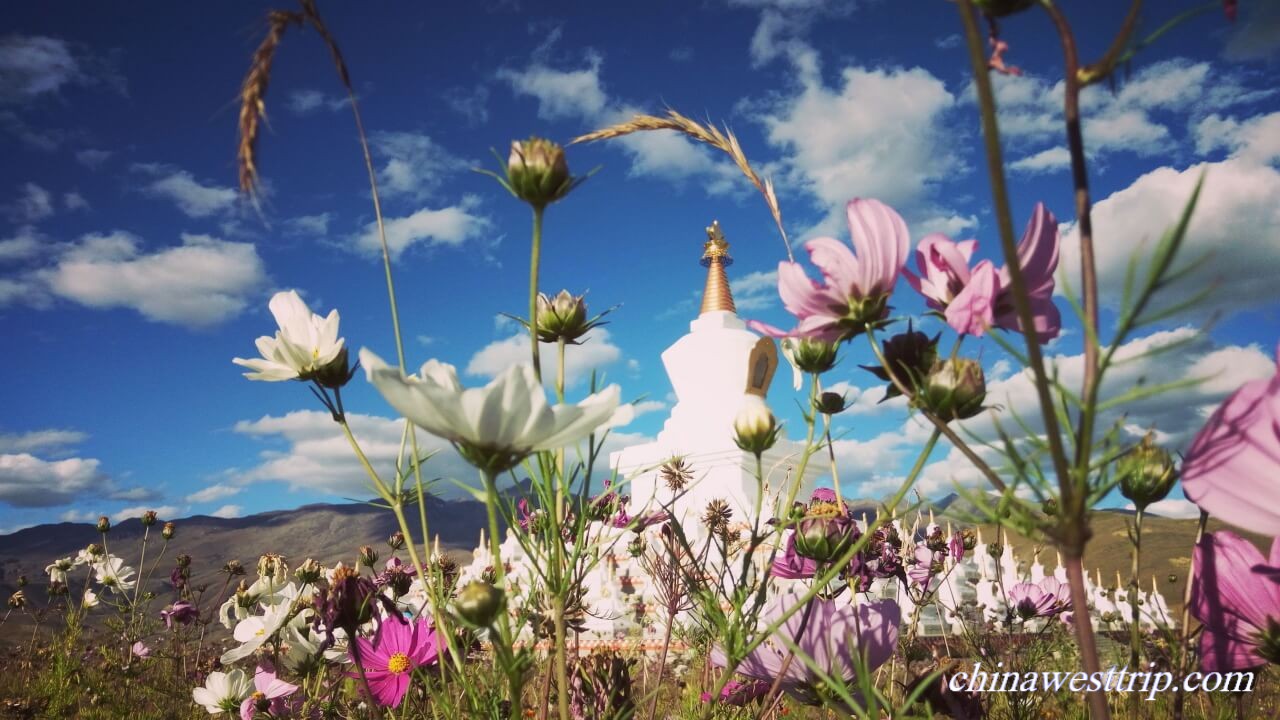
column 131, row 273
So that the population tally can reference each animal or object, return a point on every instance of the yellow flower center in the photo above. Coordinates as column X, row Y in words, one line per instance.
column 398, row 663
column 258, row 695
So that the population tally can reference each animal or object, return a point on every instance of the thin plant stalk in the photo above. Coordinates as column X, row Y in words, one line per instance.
column 1135, row 630
column 535, row 259
column 1184, row 650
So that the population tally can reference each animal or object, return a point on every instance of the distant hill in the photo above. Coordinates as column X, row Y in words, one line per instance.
column 326, row 532
column 333, row 532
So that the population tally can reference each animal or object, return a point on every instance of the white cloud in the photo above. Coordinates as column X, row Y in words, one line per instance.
column 40, row 440
column 28, row 481
column 450, row 226
column 648, row 406
column 228, row 512
column 1233, row 240
column 1256, row 139
column 74, row 201
column 413, row 165
column 314, row 225
column 755, row 290
column 1171, row 508
column 32, row 205
column 1047, row 160
column 201, row 282
column 163, row 512
column 472, row 105
column 27, row 243
column 561, row 93
column 316, row 457
column 135, row 494
column 35, row 65
column 595, row 352
column 1176, row 416
column 305, row 102
column 193, row 198
column 93, row 158
column 880, row 133
column 213, row 492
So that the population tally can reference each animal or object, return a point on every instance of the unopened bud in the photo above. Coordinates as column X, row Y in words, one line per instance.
column 537, row 172
column 168, row 530
column 22, row 581
column 396, row 541
column 829, row 403
column 149, row 518
column 910, row 355
column 755, row 429
column 810, row 355
column 562, row 317
column 309, row 571
column 18, row 600
column 826, row 533
column 368, row 556
column 1146, row 473
column 104, row 524
column 183, row 560
column 233, row 568
column 479, row 603
column 954, row 389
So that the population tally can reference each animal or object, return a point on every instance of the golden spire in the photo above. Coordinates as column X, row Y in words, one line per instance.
column 715, row 257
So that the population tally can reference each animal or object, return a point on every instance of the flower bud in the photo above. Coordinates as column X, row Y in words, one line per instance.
column 954, row 389
column 22, row 581
column 368, row 556
column 183, row 560
column 826, row 533
column 233, row 568
column 309, row 571
column 479, row 603
column 104, row 524
column 149, row 518
column 829, row 403
column 1146, row 473
column 563, row 317
column 537, row 172
column 334, row 375
column 636, row 546
column 168, row 530
column 95, row 550
column 396, row 541
column 755, row 430
column 810, row 355
column 272, row 567
column 910, row 355
column 18, row 600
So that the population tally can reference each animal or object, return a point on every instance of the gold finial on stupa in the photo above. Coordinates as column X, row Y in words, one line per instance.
column 715, row 257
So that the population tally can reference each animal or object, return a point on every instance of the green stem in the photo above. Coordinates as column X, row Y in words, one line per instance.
column 502, row 643
column 831, row 455
column 558, row 609
column 1135, row 630
column 535, row 258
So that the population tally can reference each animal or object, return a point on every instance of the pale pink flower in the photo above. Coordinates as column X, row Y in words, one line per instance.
column 1232, row 466
column 1043, row 599
column 269, row 695
column 856, row 283
column 1038, row 258
column 1234, row 595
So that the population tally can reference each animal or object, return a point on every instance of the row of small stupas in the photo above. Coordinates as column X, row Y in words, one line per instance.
column 713, row 369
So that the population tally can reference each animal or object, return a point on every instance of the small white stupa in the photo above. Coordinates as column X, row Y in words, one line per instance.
column 713, row 369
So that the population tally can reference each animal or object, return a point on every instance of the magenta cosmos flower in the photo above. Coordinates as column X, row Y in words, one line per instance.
column 834, row 636
column 389, row 660
column 856, row 283
column 974, row 299
column 268, row 695
column 1235, row 596
column 1046, row 598
column 1232, row 466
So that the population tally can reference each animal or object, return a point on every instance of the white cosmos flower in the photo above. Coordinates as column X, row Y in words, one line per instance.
column 90, row 599
column 305, row 345
column 252, row 632
column 497, row 425
column 58, row 570
column 113, row 574
column 223, row 692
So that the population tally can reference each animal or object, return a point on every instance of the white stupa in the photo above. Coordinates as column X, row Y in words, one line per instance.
column 713, row 369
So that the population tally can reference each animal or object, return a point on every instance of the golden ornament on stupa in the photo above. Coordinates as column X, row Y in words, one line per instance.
column 716, row 295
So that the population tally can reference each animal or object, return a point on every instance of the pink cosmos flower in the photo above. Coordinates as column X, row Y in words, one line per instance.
column 1231, row 467
column 1043, row 599
column 835, row 634
column 974, row 299
column 140, row 650
column 268, row 696
column 389, row 660
column 856, row 283
column 927, row 565
column 1233, row 594
column 740, row 693
column 790, row 566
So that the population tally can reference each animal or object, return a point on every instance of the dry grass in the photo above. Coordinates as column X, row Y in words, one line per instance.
column 253, row 94
column 723, row 140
